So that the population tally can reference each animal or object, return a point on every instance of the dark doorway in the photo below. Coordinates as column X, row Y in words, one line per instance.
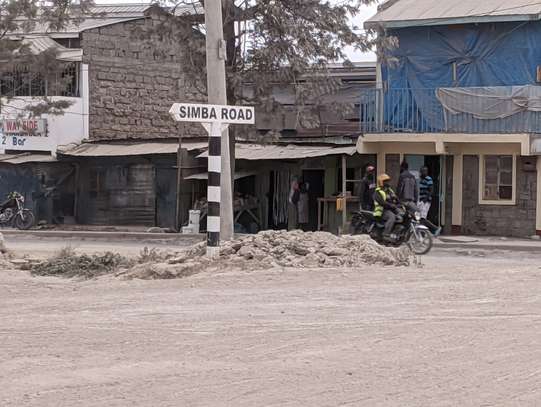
column 166, row 197
column 316, row 181
column 433, row 162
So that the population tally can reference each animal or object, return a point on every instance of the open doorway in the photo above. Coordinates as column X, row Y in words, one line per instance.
column 316, row 181
column 434, row 165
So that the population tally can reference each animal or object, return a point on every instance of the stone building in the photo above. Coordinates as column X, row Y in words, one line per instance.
column 120, row 148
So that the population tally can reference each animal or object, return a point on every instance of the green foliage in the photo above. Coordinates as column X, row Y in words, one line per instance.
column 274, row 43
column 20, row 66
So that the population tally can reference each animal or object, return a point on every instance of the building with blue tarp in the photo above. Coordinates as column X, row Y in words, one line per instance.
column 460, row 92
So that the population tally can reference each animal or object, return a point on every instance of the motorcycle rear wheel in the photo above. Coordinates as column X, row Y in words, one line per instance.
column 422, row 245
column 24, row 220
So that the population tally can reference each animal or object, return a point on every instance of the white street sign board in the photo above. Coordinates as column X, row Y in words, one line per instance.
column 25, row 135
column 190, row 112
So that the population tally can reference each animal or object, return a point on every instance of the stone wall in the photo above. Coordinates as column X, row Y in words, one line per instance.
column 503, row 220
column 133, row 83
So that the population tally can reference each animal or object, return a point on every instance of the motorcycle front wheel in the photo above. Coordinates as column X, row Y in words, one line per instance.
column 421, row 242
column 24, row 220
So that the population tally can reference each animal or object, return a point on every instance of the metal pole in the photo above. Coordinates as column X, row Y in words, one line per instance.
column 216, row 88
column 344, row 187
column 213, row 191
column 179, row 182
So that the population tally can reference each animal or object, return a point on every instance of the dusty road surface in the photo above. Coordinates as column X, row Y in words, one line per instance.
column 461, row 331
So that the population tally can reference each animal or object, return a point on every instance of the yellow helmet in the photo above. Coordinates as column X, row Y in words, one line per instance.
column 382, row 178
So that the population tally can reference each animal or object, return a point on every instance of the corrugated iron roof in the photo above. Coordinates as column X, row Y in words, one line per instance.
column 39, row 44
column 129, row 149
column 205, row 175
column 26, row 158
column 409, row 13
column 254, row 152
column 102, row 15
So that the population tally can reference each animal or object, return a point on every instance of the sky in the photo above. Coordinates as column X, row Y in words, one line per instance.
column 355, row 56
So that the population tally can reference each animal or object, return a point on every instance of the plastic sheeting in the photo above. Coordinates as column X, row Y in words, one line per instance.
column 484, row 55
column 491, row 103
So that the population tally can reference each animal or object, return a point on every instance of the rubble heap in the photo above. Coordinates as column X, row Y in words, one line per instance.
column 276, row 249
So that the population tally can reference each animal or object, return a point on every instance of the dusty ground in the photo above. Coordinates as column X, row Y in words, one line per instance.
column 462, row 330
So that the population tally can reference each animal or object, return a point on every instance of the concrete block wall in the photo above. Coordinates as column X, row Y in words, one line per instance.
column 501, row 220
column 134, row 79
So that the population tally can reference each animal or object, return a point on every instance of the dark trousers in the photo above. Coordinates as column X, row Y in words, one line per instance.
column 390, row 219
column 433, row 228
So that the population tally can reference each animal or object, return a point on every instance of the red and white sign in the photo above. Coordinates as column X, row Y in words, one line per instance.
column 25, row 135
column 30, row 127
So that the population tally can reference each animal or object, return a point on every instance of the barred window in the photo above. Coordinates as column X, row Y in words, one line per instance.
column 24, row 82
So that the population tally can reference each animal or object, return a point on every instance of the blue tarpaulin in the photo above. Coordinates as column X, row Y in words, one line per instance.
column 481, row 55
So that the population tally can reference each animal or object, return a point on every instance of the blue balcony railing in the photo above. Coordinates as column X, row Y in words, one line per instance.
column 451, row 110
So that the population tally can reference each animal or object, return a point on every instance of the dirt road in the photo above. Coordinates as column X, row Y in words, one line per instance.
column 462, row 330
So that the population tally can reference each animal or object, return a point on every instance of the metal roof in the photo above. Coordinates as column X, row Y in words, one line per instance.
column 205, row 175
column 411, row 13
column 26, row 158
column 40, row 44
column 129, row 149
column 102, row 15
column 255, row 152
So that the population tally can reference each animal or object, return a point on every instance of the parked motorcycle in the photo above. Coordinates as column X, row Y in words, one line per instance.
column 13, row 213
column 407, row 229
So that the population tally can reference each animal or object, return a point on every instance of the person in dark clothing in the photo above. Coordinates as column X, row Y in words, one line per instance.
column 368, row 187
column 407, row 185
column 386, row 204
column 426, row 186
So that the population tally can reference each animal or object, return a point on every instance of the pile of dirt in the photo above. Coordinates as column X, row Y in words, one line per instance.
column 274, row 249
column 67, row 263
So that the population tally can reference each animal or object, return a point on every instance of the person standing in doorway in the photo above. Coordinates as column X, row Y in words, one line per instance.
column 303, row 207
column 426, row 191
column 368, row 187
column 407, row 185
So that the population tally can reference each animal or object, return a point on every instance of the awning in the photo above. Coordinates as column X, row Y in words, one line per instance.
column 205, row 175
column 26, row 158
column 129, row 149
column 254, row 152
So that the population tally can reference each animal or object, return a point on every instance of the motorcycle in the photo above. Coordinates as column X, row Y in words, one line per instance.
column 407, row 229
column 13, row 213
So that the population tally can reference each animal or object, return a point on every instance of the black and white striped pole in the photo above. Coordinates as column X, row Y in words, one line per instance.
column 213, row 189
column 215, row 119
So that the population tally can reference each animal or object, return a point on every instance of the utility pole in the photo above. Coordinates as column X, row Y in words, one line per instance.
column 216, row 89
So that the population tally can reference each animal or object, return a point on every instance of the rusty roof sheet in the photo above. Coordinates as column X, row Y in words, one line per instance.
column 129, row 148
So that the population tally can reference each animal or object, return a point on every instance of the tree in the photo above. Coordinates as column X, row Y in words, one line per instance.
column 26, row 70
column 273, row 43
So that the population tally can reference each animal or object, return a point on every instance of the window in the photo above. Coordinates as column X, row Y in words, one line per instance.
column 497, row 179
column 23, row 82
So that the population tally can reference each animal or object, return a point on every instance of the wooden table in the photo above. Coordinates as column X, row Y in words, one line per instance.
column 323, row 208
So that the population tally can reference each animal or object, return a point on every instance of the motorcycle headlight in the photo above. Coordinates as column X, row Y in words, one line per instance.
column 417, row 216
column 22, row 199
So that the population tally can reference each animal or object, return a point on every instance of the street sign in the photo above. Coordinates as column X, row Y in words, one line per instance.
column 189, row 112
column 214, row 118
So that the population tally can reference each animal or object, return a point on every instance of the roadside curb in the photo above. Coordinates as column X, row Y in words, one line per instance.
column 102, row 235
column 484, row 246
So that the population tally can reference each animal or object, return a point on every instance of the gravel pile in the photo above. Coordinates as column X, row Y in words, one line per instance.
column 275, row 249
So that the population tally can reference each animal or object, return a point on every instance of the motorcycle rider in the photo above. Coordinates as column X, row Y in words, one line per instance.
column 386, row 204
column 368, row 186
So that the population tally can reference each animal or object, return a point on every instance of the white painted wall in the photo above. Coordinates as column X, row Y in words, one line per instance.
column 69, row 128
